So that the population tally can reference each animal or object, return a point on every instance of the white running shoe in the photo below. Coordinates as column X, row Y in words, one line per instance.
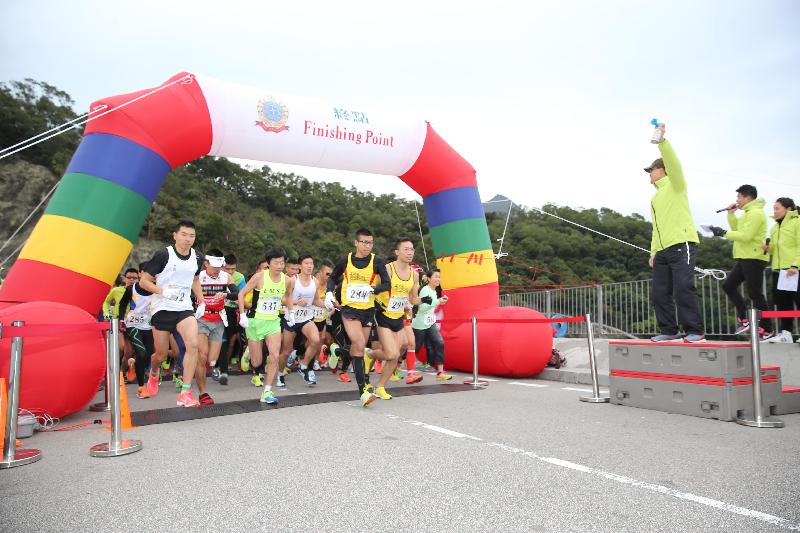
column 784, row 337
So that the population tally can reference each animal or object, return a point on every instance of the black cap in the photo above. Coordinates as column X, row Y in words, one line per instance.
column 658, row 163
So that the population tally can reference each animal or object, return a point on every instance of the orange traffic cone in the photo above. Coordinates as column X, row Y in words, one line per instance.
column 3, row 407
column 124, row 411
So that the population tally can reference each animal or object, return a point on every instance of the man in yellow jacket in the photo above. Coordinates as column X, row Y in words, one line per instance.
column 673, row 250
column 748, row 234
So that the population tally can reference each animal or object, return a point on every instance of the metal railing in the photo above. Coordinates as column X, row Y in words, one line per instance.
column 626, row 308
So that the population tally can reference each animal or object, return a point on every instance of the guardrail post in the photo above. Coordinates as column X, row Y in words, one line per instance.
column 595, row 398
column 600, row 310
column 548, row 304
column 758, row 420
column 116, row 445
column 11, row 455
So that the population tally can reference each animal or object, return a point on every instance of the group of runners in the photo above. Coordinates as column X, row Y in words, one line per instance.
column 185, row 312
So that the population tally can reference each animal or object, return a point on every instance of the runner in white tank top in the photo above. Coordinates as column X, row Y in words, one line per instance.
column 299, row 318
column 171, row 276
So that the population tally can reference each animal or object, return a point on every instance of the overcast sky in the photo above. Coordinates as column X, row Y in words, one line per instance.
column 549, row 101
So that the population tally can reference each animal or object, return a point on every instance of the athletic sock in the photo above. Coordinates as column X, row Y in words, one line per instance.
column 267, row 388
column 186, row 387
column 358, row 367
column 154, row 372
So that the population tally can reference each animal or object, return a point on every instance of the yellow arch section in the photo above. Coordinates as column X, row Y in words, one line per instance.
column 77, row 246
column 467, row 269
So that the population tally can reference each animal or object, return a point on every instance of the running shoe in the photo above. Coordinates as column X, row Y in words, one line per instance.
column 368, row 387
column 666, row 338
column 765, row 336
column 141, row 392
column 743, row 327
column 396, row 376
column 343, row 377
column 311, row 378
column 165, row 364
column 292, row 358
column 215, row 374
column 694, row 337
column 378, row 367
column 381, row 393
column 234, row 361
column 132, row 371
column 186, row 399
column 781, row 338
column 316, row 367
column 152, row 385
column 441, row 376
column 257, row 380
column 178, row 382
column 246, row 360
column 268, row 397
column 427, row 367
column 413, row 378
column 367, row 397
column 281, row 381
column 333, row 360
column 323, row 356
column 206, row 399
column 223, row 379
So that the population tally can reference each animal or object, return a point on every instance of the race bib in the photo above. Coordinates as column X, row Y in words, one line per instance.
column 430, row 319
column 359, row 293
column 184, row 293
column 301, row 314
column 319, row 313
column 134, row 320
column 269, row 306
column 397, row 303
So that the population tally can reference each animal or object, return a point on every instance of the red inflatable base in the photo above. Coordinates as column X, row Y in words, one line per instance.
column 507, row 350
column 60, row 374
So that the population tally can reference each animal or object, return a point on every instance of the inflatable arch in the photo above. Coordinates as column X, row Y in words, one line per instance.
column 92, row 222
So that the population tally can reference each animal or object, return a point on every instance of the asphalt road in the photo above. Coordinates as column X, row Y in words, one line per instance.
column 511, row 457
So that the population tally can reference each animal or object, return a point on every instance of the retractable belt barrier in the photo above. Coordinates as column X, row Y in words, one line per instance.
column 18, row 331
column 761, row 419
column 476, row 383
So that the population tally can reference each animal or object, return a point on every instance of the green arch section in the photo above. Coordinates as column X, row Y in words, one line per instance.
column 466, row 235
column 100, row 202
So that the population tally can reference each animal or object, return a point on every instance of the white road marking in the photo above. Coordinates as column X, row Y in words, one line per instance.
column 652, row 487
column 537, row 385
column 576, row 389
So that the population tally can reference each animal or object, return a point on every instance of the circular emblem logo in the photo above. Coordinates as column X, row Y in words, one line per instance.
column 272, row 114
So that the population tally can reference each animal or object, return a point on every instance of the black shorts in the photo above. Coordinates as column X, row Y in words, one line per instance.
column 232, row 328
column 365, row 316
column 321, row 326
column 394, row 324
column 297, row 328
column 169, row 320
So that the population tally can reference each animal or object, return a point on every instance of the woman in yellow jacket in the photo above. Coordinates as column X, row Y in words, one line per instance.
column 784, row 251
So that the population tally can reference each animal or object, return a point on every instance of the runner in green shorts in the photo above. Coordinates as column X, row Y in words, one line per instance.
column 270, row 285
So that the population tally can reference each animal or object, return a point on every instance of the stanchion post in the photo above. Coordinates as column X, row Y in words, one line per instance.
column 758, row 420
column 104, row 405
column 595, row 398
column 11, row 456
column 116, row 445
column 475, row 382
column 474, row 353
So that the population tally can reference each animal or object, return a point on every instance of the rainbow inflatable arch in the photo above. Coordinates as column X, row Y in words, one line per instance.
column 92, row 222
